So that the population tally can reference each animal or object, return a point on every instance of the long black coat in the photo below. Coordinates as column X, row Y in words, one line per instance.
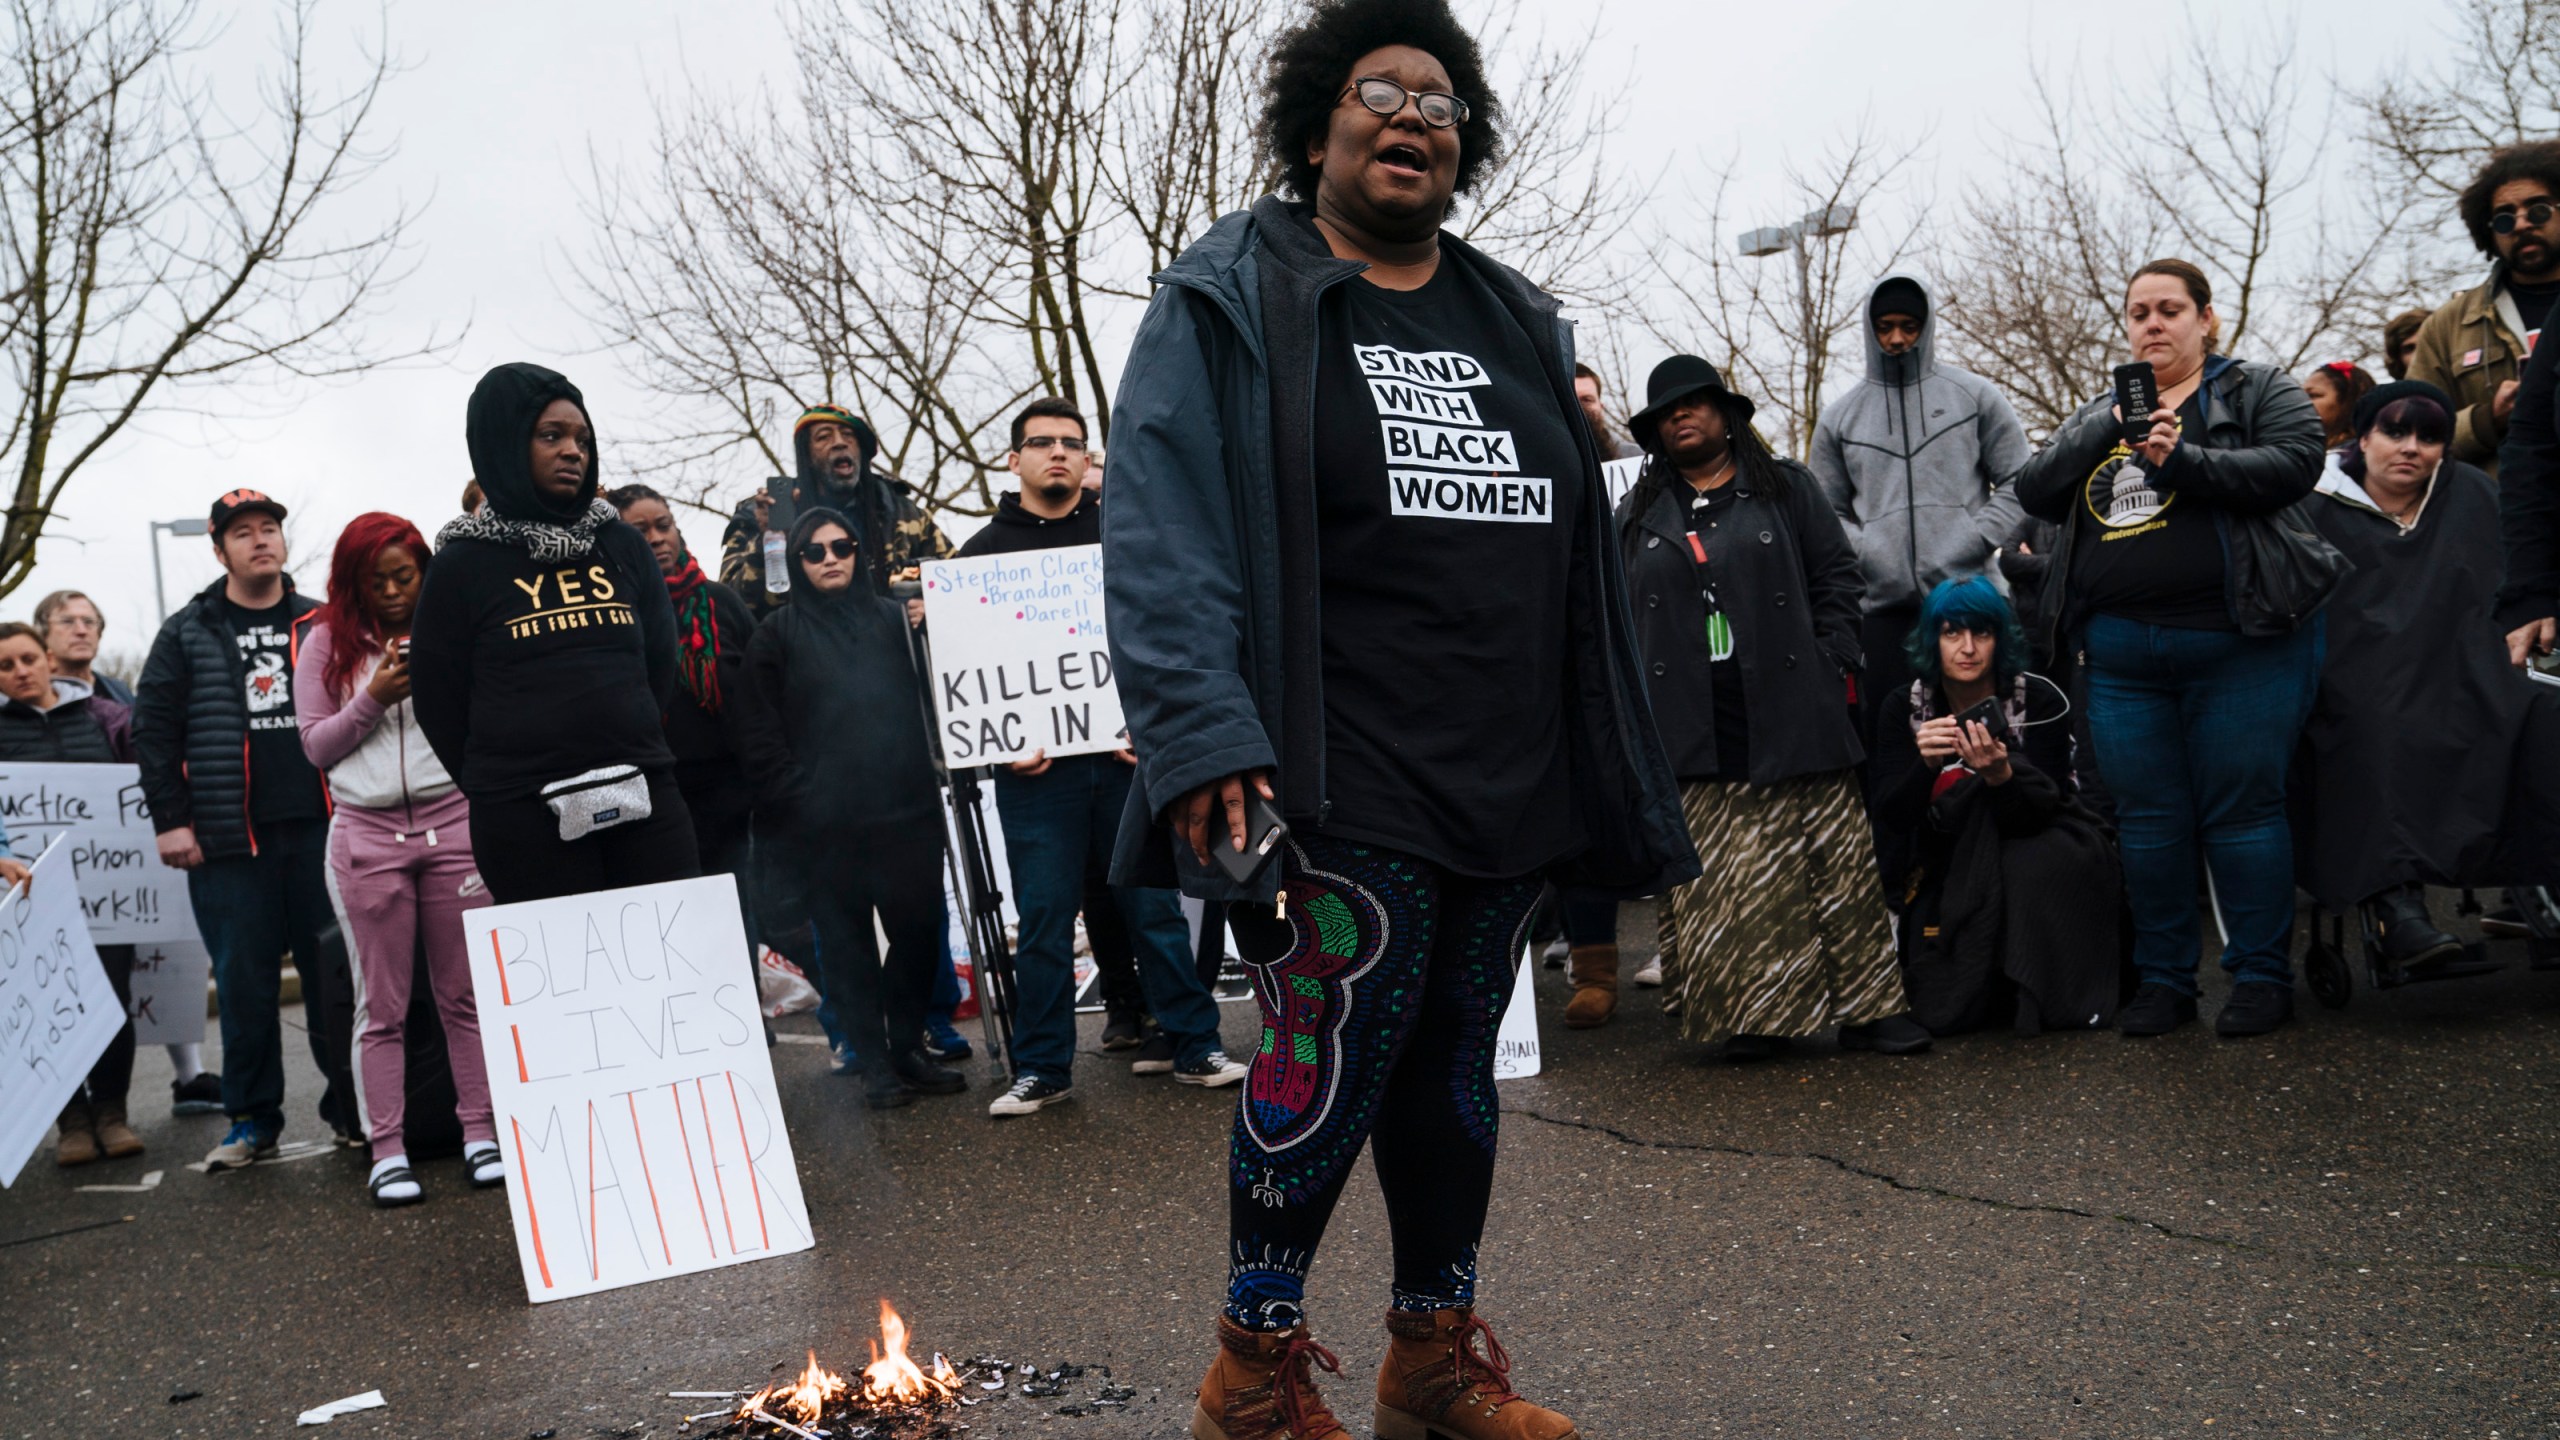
column 1792, row 597
column 2428, row 757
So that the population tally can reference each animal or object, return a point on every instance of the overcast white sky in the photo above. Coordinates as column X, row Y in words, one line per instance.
column 495, row 115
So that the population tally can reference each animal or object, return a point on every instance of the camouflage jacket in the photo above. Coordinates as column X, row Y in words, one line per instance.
column 912, row 538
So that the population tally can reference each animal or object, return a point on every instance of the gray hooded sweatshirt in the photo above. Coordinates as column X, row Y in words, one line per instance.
column 1918, row 461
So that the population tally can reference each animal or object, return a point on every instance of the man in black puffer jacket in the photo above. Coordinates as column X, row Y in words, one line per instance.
column 240, row 808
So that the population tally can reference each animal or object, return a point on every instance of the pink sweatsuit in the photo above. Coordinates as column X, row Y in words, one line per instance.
column 399, row 859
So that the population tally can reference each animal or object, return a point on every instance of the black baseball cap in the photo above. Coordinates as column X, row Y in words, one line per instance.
column 236, row 503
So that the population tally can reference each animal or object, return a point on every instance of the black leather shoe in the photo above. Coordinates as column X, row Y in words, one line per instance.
column 882, row 1088
column 2155, row 1010
column 924, row 1075
column 1892, row 1035
column 2408, row 933
column 1742, row 1049
column 2254, row 1009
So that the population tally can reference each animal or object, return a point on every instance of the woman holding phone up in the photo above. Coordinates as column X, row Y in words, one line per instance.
column 2191, row 585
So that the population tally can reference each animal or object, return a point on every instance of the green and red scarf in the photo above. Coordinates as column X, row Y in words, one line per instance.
column 697, row 636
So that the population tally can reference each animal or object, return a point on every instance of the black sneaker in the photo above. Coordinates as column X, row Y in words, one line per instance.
column 1155, row 1057
column 883, row 1088
column 200, row 1096
column 2254, row 1009
column 1028, row 1094
column 922, row 1074
column 2155, row 1010
column 1124, row 1030
column 944, row 1043
column 1892, row 1035
column 1213, row 1070
column 1743, row 1049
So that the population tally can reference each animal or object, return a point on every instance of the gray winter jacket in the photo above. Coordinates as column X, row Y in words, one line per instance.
column 1917, row 461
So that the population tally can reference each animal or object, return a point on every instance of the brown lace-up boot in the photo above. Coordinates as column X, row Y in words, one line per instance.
column 1436, row 1385
column 77, row 1145
column 115, row 1136
column 1262, row 1387
column 1595, row 987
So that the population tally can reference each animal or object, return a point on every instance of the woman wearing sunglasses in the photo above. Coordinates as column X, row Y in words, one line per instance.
column 1359, row 568
column 832, row 732
column 542, row 652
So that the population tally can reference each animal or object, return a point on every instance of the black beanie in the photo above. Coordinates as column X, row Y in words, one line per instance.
column 498, row 428
column 1899, row 296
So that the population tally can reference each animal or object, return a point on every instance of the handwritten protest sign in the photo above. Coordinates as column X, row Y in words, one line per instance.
column 1020, row 657
column 168, row 991
column 126, row 894
column 57, row 1011
column 1515, row 1044
column 1621, row 476
column 635, row 1102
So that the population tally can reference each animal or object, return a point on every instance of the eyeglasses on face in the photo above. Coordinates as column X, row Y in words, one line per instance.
column 1382, row 96
column 1033, row 445
column 816, row 551
column 2535, row 214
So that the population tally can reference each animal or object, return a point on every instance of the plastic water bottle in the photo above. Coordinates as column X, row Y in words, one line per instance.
column 777, row 564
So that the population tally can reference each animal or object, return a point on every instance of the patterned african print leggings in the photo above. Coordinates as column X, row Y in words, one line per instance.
column 1378, row 1025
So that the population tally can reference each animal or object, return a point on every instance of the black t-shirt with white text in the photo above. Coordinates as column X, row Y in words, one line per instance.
column 2148, row 554
column 1449, row 495
column 283, row 783
column 2533, row 306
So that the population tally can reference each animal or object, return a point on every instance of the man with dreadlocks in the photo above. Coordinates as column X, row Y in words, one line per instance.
column 835, row 453
column 712, row 625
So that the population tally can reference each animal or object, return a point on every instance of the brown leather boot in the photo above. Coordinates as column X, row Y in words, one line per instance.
column 1595, row 987
column 1436, row 1385
column 77, row 1146
column 115, row 1136
column 1262, row 1387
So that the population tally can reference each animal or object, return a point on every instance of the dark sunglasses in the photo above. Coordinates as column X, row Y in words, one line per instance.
column 816, row 551
column 1382, row 96
column 2536, row 213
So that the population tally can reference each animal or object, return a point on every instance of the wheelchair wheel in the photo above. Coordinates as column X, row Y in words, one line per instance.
column 2325, row 966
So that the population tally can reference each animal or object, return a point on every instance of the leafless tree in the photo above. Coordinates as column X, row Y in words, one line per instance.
column 152, row 247
column 1182, row 149
column 2499, row 85
column 1776, row 323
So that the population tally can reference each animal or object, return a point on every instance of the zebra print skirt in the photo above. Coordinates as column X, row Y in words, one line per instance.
column 1785, row 933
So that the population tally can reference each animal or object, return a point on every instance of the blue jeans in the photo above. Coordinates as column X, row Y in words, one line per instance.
column 252, row 909
column 1051, row 822
column 2195, row 731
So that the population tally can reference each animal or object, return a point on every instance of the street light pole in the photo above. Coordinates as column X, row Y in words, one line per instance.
column 1799, row 237
column 159, row 588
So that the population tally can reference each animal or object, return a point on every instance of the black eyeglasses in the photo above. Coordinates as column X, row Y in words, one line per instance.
column 2536, row 213
column 1036, row 443
column 816, row 552
column 1438, row 109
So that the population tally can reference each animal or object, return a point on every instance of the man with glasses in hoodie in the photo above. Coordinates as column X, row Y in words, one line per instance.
column 1918, row 462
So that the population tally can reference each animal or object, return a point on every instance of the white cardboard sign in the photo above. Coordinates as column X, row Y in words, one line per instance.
column 1515, row 1044
column 635, row 1102
column 1020, row 655
column 169, row 992
column 127, row 895
column 57, row 1011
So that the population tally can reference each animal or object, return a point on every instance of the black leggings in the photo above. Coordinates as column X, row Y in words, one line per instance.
column 1378, row 1026
column 522, row 856
column 879, row 1005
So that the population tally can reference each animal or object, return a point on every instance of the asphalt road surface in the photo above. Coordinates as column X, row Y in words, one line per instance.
column 2345, row 1229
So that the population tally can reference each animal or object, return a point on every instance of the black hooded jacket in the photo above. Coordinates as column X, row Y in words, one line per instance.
column 1014, row 528
column 832, row 722
column 529, row 671
column 878, row 507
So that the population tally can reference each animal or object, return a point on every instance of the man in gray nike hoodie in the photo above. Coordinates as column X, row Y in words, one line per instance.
column 1918, row 462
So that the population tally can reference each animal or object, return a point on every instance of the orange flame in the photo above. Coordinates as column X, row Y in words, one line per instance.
column 896, row 1378
column 804, row 1399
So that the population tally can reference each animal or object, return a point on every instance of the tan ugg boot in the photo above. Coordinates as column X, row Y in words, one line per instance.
column 1595, row 987
column 115, row 1136
column 1437, row 1385
column 1262, row 1387
column 77, row 1146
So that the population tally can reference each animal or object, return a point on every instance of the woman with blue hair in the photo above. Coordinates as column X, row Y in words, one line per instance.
column 2012, row 904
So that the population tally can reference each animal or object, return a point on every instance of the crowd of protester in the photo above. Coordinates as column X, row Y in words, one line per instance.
column 1945, row 728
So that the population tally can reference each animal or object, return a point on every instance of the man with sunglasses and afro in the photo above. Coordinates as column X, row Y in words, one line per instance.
column 2475, row 345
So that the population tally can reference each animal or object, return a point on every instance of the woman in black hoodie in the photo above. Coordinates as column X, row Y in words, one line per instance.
column 542, row 654
column 833, row 733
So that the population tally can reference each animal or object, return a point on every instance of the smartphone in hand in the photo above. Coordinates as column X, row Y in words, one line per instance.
column 1264, row 830
column 2137, row 395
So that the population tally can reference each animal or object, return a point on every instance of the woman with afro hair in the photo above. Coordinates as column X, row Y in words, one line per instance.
column 1359, row 571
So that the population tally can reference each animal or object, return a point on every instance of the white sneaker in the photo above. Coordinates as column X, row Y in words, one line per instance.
column 1651, row 975
column 1556, row 953
column 1213, row 1069
column 1028, row 1095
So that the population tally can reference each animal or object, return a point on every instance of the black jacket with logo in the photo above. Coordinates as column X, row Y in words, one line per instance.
column 191, row 724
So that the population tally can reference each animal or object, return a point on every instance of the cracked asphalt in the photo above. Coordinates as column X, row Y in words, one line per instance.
column 2345, row 1229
